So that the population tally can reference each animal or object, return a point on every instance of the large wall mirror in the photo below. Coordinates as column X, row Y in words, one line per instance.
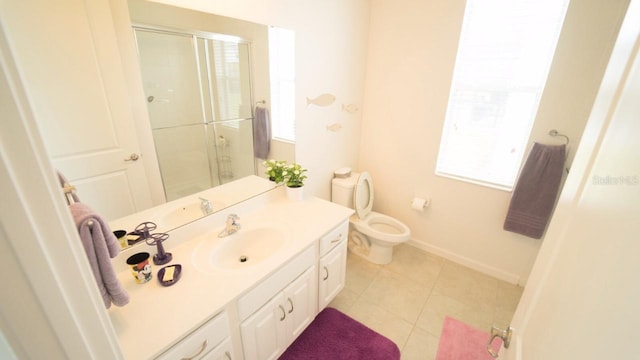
column 202, row 76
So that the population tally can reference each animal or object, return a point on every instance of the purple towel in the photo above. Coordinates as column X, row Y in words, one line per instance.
column 536, row 191
column 261, row 133
column 100, row 245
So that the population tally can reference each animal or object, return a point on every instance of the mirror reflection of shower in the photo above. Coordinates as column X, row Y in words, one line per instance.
column 198, row 92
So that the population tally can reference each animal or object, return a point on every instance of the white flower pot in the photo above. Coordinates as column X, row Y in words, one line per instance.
column 295, row 194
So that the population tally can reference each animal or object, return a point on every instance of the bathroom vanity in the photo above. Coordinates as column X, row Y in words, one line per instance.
column 243, row 296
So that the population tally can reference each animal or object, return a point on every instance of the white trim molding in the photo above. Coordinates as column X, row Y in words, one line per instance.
column 473, row 264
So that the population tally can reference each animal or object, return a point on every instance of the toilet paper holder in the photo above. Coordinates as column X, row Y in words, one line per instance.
column 420, row 204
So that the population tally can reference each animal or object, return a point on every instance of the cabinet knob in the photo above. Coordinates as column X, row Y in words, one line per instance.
column 284, row 314
column 290, row 302
column 326, row 272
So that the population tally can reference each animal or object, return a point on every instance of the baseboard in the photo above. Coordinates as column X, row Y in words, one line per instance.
column 465, row 261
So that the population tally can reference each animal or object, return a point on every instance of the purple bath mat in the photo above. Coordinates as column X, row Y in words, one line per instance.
column 333, row 335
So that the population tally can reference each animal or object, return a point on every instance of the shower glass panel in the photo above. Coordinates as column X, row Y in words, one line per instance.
column 232, row 138
column 231, row 84
column 184, row 160
column 171, row 80
column 198, row 93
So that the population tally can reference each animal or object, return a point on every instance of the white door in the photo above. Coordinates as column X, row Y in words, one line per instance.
column 583, row 297
column 80, row 99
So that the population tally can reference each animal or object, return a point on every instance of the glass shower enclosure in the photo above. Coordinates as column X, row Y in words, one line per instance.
column 198, row 92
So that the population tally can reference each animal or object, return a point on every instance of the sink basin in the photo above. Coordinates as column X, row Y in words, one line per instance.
column 245, row 248
column 182, row 214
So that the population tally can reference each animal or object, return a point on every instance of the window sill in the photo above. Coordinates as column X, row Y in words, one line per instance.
column 501, row 187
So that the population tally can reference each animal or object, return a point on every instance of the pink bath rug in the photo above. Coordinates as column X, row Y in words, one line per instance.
column 459, row 341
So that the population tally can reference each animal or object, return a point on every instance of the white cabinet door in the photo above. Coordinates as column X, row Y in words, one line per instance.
column 263, row 334
column 331, row 274
column 271, row 329
column 300, row 304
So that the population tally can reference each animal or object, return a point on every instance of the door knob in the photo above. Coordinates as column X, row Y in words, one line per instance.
column 133, row 157
column 504, row 334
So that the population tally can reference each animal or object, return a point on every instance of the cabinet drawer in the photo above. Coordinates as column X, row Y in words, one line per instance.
column 224, row 351
column 333, row 237
column 201, row 341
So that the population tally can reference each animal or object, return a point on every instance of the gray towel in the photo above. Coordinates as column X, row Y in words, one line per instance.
column 536, row 191
column 261, row 133
column 100, row 245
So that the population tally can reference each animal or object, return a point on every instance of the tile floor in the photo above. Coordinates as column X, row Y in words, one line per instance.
column 408, row 299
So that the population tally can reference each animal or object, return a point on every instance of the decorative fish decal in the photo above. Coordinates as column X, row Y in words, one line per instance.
column 350, row 108
column 322, row 100
column 334, row 127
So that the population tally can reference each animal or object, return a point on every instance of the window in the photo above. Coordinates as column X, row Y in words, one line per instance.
column 504, row 56
column 283, row 75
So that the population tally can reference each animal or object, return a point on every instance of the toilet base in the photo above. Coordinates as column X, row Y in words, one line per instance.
column 374, row 253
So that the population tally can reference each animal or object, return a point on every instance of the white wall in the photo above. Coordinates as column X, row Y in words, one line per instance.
column 411, row 54
column 331, row 40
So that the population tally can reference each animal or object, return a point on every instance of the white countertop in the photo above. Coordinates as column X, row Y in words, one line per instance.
column 158, row 316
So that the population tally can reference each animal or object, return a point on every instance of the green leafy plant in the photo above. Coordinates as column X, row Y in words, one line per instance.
column 295, row 175
column 276, row 170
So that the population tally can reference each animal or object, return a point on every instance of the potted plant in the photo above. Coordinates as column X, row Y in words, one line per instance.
column 294, row 178
column 276, row 170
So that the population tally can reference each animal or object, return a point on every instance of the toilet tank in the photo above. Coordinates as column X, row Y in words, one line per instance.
column 342, row 190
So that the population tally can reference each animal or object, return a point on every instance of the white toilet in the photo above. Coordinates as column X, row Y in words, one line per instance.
column 373, row 235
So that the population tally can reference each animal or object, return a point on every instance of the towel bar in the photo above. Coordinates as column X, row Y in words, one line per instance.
column 69, row 191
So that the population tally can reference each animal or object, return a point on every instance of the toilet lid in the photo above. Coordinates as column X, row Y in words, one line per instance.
column 363, row 195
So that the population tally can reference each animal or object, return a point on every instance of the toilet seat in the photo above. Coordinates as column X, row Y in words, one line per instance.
column 382, row 227
column 363, row 195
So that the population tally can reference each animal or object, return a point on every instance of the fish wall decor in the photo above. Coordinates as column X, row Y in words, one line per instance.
column 334, row 127
column 322, row 100
column 350, row 108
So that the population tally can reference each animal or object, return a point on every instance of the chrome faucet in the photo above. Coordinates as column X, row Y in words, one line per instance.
column 231, row 227
column 205, row 206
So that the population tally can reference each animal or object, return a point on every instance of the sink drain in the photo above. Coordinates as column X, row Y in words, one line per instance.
column 243, row 258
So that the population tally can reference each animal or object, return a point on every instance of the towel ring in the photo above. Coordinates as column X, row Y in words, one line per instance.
column 554, row 133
